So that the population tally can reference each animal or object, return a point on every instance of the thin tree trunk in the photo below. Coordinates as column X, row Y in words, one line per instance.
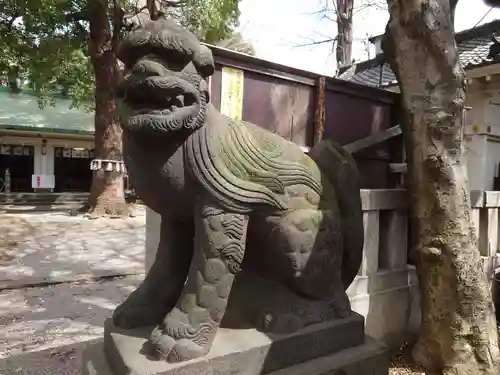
column 344, row 10
column 106, row 194
column 458, row 333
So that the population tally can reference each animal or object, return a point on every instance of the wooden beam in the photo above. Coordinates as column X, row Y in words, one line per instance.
column 373, row 139
column 369, row 141
column 489, row 70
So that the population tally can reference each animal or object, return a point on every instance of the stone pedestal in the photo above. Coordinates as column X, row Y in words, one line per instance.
column 323, row 348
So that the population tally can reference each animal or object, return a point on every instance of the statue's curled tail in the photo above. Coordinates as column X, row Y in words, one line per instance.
column 340, row 169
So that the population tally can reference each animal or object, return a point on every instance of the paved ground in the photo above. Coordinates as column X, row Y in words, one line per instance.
column 41, row 247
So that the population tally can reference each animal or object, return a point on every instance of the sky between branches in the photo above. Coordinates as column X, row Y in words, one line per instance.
column 277, row 27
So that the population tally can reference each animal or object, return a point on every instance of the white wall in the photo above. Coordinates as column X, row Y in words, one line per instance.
column 483, row 158
column 476, row 151
column 483, row 132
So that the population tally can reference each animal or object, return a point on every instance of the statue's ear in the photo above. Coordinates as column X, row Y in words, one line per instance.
column 204, row 61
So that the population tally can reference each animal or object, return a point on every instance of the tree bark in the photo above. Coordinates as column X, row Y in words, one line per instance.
column 458, row 333
column 106, row 194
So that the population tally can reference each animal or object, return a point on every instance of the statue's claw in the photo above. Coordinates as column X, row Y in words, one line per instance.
column 171, row 350
column 280, row 324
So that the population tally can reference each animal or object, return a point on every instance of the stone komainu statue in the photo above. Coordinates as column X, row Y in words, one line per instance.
column 232, row 197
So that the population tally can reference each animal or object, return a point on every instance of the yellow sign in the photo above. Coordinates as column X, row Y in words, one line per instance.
column 231, row 102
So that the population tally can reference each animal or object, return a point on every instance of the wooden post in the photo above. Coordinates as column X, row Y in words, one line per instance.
column 319, row 123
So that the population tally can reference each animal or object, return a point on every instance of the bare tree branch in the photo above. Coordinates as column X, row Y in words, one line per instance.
column 329, row 40
column 341, row 13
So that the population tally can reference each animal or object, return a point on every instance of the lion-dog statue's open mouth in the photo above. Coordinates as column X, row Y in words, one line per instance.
column 165, row 88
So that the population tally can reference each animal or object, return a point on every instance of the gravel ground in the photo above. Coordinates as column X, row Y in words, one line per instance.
column 65, row 360
column 402, row 363
column 36, row 248
column 43, row 330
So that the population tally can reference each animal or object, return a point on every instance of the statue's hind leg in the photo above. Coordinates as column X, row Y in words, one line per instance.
column 189, row 329
column 317, row 257
column 159, row 291
column 310, row 244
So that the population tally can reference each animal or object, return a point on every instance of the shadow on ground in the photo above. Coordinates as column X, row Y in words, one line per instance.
column 37, row 319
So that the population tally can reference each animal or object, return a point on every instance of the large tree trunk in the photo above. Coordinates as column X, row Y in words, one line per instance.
column 458, row 333
column 106, row 194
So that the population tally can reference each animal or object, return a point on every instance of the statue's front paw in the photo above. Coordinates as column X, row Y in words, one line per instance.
column 171, row 350
column 138, row 312
column 177, row 339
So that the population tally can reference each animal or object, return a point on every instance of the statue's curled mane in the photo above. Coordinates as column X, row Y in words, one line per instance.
column 241, row 167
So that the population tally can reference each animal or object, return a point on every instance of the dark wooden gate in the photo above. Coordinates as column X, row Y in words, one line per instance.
column 305, row 107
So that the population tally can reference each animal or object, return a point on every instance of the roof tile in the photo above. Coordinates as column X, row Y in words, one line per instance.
column 473, row 48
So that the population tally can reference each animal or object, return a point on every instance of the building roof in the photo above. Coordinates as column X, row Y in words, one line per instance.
column 477, row 47
column 21, row 112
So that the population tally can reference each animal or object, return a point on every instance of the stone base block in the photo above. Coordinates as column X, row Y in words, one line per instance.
column 370, row 358
column 324, row 348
